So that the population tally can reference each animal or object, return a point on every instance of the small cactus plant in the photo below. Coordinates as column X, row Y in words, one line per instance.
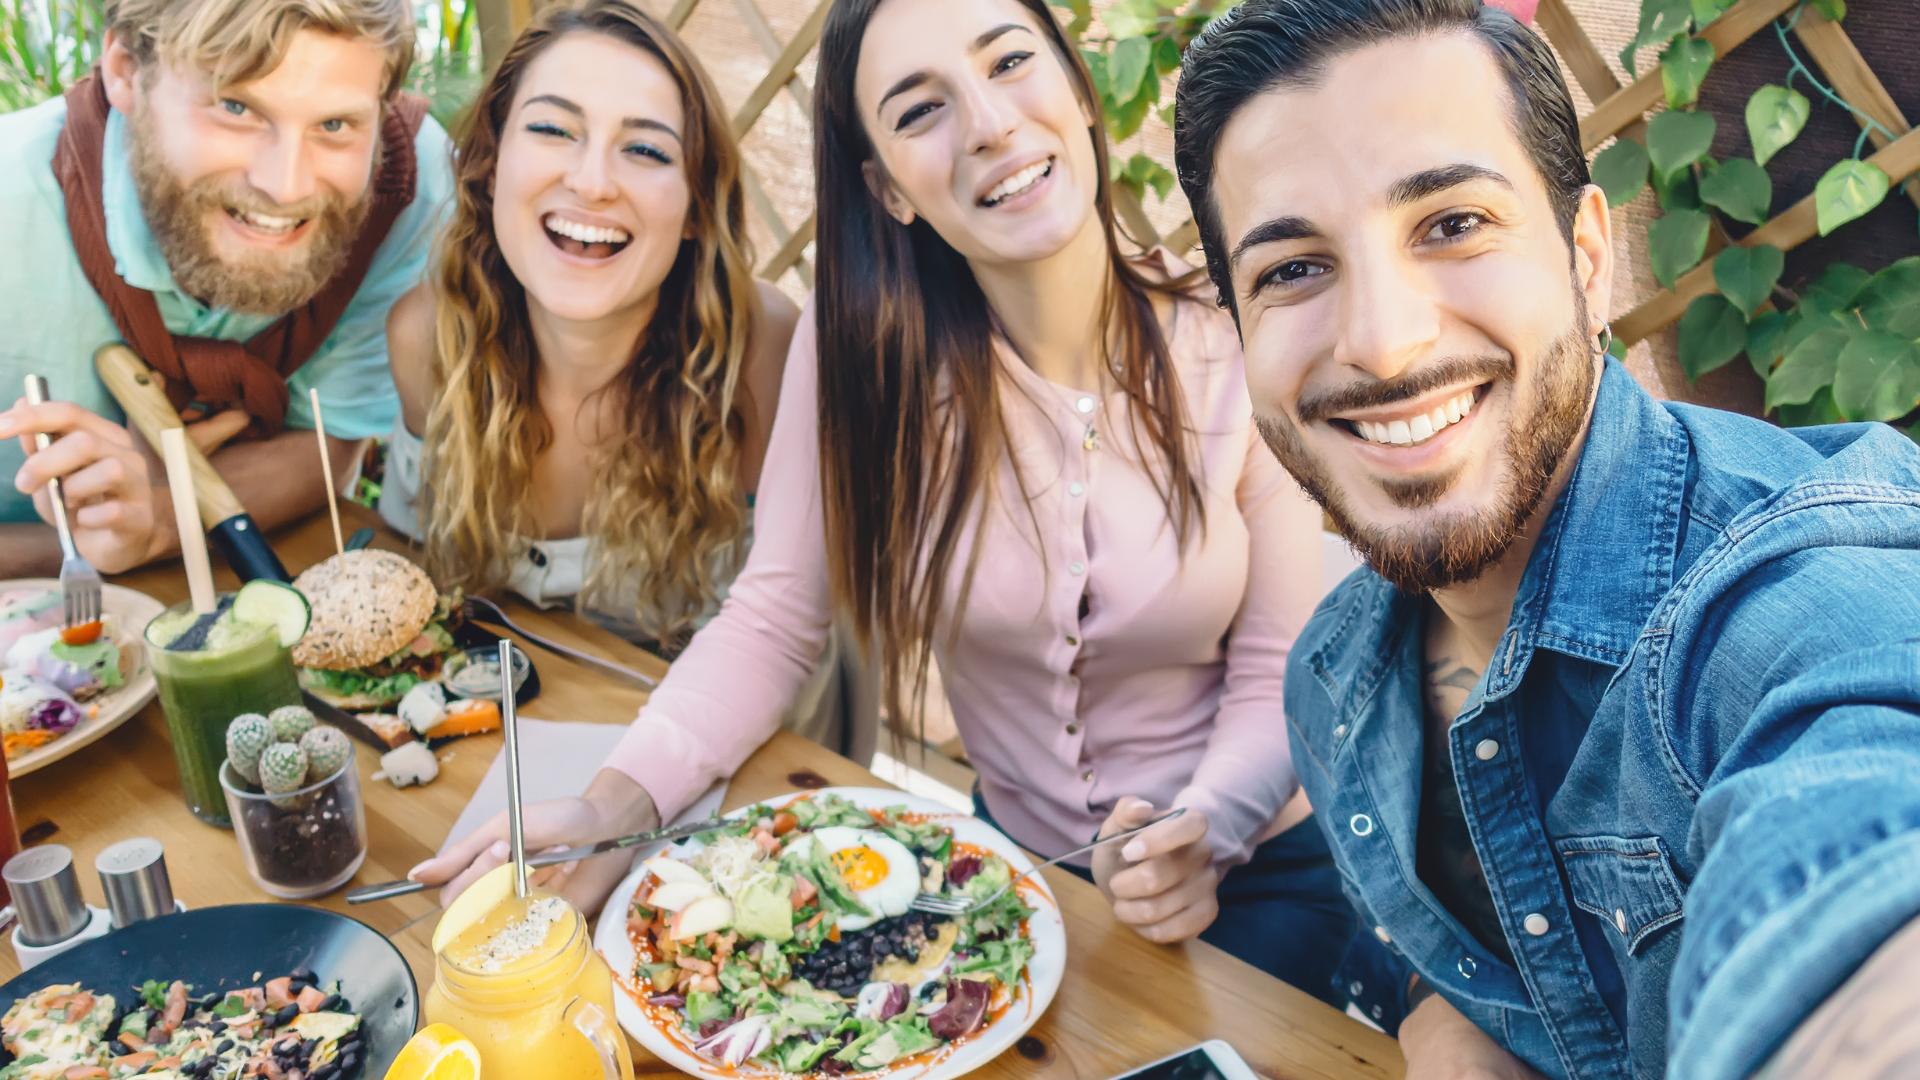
column 247, row 738
column 283, row 769
column 290, row 722
column 327, row 750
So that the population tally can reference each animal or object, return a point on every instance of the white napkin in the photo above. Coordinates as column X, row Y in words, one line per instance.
column 557, row 760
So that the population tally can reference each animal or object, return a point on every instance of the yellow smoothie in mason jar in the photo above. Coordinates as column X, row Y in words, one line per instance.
column 523, row 982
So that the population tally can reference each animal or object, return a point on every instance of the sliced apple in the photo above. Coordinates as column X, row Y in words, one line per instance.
column 704, row 916
column 668, row 869
column 494, row 888
column 675, row 895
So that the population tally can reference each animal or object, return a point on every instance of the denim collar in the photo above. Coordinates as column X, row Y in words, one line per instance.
column 1601, row 564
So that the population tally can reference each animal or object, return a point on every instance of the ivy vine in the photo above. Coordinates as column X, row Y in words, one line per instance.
column 1140, row 45
column 1844, row 346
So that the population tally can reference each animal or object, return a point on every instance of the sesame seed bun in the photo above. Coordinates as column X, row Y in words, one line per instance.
column 367, row 605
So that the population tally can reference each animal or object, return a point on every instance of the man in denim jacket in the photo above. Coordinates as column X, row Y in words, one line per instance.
column 1617, row 735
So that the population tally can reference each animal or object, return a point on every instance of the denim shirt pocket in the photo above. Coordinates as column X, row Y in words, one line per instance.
column 1629, row 884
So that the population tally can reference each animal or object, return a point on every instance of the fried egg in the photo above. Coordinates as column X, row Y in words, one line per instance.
column 880, row 871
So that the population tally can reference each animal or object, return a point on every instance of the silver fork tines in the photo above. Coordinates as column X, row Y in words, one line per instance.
column 953, row 906
column 79, row 581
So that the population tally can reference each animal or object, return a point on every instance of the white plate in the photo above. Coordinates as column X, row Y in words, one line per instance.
column 131, row 612
column 1045, row 929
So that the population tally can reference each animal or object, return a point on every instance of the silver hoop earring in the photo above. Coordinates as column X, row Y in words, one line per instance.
column 1604, row 344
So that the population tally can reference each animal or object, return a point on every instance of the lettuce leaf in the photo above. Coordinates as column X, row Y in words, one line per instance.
column 702, row 1007
column 1003, row 959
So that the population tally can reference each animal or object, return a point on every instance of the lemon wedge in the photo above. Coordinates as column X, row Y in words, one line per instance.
column 438, row 1052
column 494, row 888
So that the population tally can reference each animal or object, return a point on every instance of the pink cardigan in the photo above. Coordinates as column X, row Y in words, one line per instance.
column 1093, row 662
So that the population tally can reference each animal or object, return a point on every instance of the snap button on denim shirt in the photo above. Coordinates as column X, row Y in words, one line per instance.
column 1692, row 769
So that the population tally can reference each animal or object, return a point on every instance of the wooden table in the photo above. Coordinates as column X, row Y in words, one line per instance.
column 1124, row 1002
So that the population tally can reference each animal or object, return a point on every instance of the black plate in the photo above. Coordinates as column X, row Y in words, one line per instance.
column 222, row 947
column 466, row 636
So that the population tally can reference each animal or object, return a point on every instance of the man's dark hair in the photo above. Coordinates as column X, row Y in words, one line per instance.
column 1267, row 44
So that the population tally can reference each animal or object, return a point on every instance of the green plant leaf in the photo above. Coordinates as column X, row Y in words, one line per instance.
column 1832, row 9
column 1676, row 140
column 1678, row 239
column 1835, row 288
column 1705, row 11
column 1683, row 66
column 1890, row 300
column 1765, row 335
column 1808, row 366
column 1081, row 10
column 1127, row 69
column 1681, row 191
column 1849, row 190
column 1775, row 115
column 1621, row 171
column 1739, row 189
column 1660, row 22
column 1712, row 332
column 1819, row 410
column 1166, row 56
column 1747, row 275
column 1878, row 377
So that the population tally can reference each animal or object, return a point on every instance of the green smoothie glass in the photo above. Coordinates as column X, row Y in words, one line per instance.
column 210, row 672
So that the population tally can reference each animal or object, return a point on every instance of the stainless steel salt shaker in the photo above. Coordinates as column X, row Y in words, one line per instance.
column 46, row 895
column 133, row 874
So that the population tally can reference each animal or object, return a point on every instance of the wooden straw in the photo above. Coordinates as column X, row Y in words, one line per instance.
column 510, row 728
column 186, row 515
column 326, row 469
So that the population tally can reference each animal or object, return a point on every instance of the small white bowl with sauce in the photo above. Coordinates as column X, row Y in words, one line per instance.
column 475, row 673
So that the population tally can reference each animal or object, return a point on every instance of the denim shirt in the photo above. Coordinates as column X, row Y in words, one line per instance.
column 1691, row 770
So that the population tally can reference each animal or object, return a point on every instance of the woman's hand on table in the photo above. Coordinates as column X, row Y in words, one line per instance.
column 613, row 805
column 1440, row 1043
column 1161, row 882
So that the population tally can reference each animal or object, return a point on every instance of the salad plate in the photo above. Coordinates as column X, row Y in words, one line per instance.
column 127, row 613
column 786, row 945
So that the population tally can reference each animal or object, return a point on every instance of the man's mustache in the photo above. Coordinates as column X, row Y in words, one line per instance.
column 1452, row 371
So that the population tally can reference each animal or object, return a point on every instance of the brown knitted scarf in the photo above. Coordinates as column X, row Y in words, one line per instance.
column 250, row 375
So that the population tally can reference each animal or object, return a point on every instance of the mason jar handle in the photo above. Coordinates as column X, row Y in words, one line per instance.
column 591, row 1022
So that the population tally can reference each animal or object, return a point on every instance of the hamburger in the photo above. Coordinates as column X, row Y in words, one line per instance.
column 378, row 629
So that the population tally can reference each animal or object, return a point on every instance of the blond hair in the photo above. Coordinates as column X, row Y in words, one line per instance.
column 237, row 41
column 664, row 508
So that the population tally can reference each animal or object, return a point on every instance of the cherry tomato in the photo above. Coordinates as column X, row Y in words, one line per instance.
column 85, row 633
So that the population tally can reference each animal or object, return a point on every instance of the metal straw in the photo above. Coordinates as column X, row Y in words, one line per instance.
column 510, row 725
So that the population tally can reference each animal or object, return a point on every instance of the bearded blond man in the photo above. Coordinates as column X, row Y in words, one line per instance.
column 240, row 192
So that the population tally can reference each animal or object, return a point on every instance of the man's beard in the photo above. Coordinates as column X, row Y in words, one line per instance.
column 261, row 283
column 1455, row 548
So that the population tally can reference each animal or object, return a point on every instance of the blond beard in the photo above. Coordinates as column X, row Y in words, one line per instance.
column 263, row 283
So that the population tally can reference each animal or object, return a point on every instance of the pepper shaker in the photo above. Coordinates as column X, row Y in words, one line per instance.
column 46, row 897
column 133, row 875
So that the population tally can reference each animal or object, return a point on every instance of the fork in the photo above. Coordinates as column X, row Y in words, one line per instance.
column 490, row 612
column 79, row 581
column 953, row 907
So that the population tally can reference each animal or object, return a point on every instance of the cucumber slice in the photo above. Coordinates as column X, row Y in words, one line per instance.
column 275, row 604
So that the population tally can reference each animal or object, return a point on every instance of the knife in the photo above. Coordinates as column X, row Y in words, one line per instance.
column 142, row 396
column 387, row 890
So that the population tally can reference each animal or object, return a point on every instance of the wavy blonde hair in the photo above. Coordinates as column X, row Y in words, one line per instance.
column 237, row 41
column 664, row 508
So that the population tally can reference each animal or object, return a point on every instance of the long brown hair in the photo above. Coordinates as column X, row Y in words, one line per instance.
column 910, row 419
column 664, row 509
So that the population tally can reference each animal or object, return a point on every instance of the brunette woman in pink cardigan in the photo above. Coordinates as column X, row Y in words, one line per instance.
column 1004, row 443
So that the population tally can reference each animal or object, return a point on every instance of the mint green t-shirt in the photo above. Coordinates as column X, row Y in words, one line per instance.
column 52, row 322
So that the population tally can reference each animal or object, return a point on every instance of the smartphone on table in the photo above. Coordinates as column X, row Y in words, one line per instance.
column 1211, row 1060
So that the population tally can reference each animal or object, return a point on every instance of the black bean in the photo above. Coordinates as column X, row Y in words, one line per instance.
column 285, row 1016
column 332, row 1004
column 217, row 1026
column 304, row 974
column 326, row 1072
column 224, row 1046
column 117, row 1048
